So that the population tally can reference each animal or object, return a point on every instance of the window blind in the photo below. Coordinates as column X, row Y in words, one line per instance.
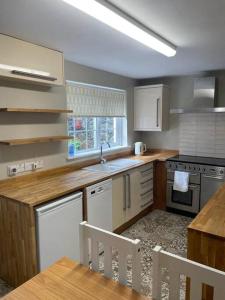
column 95, row 101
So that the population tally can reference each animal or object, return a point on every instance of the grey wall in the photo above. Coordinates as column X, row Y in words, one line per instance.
column 181, row 92
column 21, row 125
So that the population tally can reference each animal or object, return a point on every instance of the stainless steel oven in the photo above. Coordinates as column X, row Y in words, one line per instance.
column 204, row 180
column 186, row 201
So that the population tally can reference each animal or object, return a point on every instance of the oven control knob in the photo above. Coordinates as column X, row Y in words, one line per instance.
column 221, row 171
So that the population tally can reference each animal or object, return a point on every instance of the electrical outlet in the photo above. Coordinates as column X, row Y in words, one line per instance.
column 28, row 166
column 40, row 164
column 15, row 169
column 33, row 165
column 21, row 168
column 12, row 170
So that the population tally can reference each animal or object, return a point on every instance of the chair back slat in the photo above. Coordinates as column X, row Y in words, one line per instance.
column 84, row 247
column 174, row 281
column 95, row 254
column 122, row 266
column 218, row 291
column 196, row 289
column 110, row 241
column 108, row 261
column 156, row 274
column 199, row 274
column 136, row 265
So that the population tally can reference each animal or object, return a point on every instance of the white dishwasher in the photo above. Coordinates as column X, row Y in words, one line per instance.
column 99, row 205
column 57, row 225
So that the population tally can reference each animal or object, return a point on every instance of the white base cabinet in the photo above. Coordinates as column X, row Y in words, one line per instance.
column 151, row 108
column 132, row 192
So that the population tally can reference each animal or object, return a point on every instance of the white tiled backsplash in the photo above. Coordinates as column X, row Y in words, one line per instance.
column 202, row 134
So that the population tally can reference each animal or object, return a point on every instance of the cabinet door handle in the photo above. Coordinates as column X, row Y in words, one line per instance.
column 157, row 113
column 125, row 192
column 129, row 198
column 38, row 76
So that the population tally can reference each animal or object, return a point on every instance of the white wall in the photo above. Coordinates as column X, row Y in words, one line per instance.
column 181, row 92
column 22, row 125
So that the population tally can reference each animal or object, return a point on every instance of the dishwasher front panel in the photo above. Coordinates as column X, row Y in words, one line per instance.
column 58, row 230
column 99, row 205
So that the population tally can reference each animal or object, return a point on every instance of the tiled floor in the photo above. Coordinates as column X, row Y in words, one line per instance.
column 157, row 228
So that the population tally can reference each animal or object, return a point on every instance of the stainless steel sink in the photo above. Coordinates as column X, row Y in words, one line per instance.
column 103, row 168
column 126, row 162
column 114, row 165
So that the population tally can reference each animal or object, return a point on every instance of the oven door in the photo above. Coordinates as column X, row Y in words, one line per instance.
column 188, row 201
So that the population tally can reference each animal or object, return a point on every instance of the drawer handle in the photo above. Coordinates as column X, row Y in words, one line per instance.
column 147, row 170
column 146, row 173
column 147, row 181
column 147, row 203
column 28, row 74
column 146, row 193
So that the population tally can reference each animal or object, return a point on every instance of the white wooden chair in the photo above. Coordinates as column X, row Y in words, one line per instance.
column 199, row 274
column 110, row 240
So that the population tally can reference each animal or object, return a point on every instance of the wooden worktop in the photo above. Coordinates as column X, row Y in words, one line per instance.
column 211, row 219
column 206, row 237
column 67, row 280
column 43, row 186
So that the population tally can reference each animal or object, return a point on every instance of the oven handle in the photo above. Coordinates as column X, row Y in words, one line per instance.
column 191, row 186
column 214, row 177
column 190, row 174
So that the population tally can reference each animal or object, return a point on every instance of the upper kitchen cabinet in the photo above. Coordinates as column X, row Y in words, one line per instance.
column 20, row 60
column 151, row 108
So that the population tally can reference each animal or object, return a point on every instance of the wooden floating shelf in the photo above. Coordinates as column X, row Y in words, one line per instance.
column 35, row 110
column 36, row 140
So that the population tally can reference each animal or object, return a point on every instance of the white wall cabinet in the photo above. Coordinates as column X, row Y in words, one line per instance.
column 132, row 192
column 20, row 60
column 151, row 108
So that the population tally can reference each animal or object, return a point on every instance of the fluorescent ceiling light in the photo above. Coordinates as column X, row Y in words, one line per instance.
column 31, row 71
column 122, row 24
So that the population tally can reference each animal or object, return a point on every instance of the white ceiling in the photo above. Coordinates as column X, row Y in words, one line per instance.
column 196, row 27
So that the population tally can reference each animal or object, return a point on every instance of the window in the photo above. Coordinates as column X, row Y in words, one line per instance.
column 99, row 117
column 90, row 132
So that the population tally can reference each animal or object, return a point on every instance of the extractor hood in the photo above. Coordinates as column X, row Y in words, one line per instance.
column 203, row 100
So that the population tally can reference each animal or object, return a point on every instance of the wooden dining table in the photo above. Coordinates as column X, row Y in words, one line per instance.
column 67, row 279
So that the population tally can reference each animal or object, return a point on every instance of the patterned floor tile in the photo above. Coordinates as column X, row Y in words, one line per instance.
column 157, row 228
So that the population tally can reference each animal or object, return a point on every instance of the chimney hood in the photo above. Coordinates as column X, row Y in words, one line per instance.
column 203, row 100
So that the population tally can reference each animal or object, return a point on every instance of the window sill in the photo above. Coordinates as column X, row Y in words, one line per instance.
column 96, row 154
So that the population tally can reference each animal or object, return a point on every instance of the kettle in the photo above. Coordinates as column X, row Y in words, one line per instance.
column 140, row 148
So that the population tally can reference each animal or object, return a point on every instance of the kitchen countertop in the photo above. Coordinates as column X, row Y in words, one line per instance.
column 66, row 279
column 45, row 186
column 211, row 219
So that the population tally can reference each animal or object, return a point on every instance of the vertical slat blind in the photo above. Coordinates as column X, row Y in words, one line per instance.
column 95, row 101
